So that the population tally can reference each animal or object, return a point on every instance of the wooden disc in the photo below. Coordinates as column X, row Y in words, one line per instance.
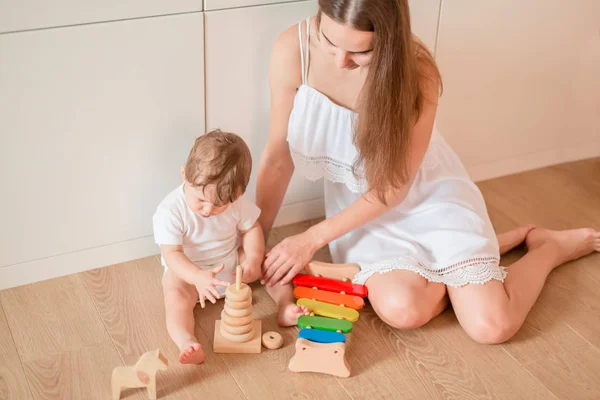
column 238, row 295
column 236, row 321
column 237, row 338
column 236, row 330
column 237, row 313
column 239, row 305
column 272, row 340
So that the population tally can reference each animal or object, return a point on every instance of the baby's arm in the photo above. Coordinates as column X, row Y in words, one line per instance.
column 179, row 263
column 203, row 280
column 253, row 243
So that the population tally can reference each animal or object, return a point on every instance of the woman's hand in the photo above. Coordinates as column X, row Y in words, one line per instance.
column 287, row 258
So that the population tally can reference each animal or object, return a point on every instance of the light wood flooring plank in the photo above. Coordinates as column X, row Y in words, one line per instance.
column 551, row 197
column 129, row 299
column 544, row 332
column 76, row 374
column 53, row 316
column 13, row 384
column 466, row 368
column 576, row 302
column 571, row 374
column 383, row 367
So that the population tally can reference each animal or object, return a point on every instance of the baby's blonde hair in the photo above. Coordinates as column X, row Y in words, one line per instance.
column 222, row 159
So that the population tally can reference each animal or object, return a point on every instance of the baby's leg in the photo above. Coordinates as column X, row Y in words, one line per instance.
column 283, row 295
column 180, row 300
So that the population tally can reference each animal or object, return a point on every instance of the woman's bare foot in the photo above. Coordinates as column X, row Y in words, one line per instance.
column 511, row 239
column 288, row 314
column 191, row 353
column 569, row 245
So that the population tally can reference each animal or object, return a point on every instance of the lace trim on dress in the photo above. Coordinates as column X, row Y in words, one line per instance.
column 478, row 270
column 315, row 168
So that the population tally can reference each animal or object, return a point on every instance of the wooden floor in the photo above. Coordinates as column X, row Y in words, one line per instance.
column 60, row 339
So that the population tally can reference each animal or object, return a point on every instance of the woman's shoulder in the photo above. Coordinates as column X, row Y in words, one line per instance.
column 285, row 57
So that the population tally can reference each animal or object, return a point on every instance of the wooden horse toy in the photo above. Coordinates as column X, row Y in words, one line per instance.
column 334, row 303
column 142, row 374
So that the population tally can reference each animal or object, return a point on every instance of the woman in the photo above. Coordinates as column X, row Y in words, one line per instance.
column 353, row 100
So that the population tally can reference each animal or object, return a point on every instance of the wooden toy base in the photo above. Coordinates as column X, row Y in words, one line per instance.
column 324, row 358
column 222, row 345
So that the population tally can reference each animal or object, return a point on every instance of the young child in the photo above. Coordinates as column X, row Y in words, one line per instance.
column 205, row 228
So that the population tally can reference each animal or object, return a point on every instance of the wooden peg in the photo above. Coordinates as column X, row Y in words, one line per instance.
column 238, row 277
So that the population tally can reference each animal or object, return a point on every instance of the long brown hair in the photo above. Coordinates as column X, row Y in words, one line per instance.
column 391, row 100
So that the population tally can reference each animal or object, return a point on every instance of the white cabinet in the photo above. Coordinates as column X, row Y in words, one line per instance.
column 238, row 49
column 211, row 5
column 521, row 82
column 17, row 15
column 95, row 121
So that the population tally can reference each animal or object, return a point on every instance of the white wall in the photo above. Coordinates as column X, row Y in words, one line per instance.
column 95, row 121
column 211, row 5
column 19, row 15
column 522, row 83
column 96, row 117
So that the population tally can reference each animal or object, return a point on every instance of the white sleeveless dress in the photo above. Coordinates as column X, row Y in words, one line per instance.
column 441, row 230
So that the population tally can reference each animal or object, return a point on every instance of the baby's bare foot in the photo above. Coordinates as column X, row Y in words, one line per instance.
column 511, row 239
column 570, row 244
column 288, row 315
column 191, row 353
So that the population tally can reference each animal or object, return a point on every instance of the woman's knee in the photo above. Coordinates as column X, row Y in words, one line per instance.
column 406, row 310
column 491, row 326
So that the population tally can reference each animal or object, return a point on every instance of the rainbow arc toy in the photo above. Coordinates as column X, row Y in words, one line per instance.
column 333, row 300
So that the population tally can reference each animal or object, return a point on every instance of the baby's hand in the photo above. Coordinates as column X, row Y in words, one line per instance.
column 251, row 270
column 205, row 283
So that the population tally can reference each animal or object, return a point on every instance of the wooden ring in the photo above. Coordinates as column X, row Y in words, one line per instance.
column 236, row 321
column 237, row 338
column 272, row 340
column 238, row 305
column 232, row 312
column 236, row 330
column 238, row 295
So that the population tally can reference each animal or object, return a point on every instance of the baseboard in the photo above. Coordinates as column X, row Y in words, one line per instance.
column 528, row 162
column 65, row 264
column 78, row 261
column 298, row 212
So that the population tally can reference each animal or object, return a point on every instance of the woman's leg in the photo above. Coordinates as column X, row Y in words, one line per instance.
column 511, row 239
column 494, row 312
column 404, row 299
column 180, row 300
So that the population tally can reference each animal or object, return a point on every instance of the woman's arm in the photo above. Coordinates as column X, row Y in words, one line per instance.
column 286, row 259
column 276, row 167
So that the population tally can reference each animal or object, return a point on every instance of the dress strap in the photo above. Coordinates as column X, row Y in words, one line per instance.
column 304, row 54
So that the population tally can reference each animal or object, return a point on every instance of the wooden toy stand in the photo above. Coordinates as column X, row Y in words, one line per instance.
column 237, row 331
column 333, row 302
